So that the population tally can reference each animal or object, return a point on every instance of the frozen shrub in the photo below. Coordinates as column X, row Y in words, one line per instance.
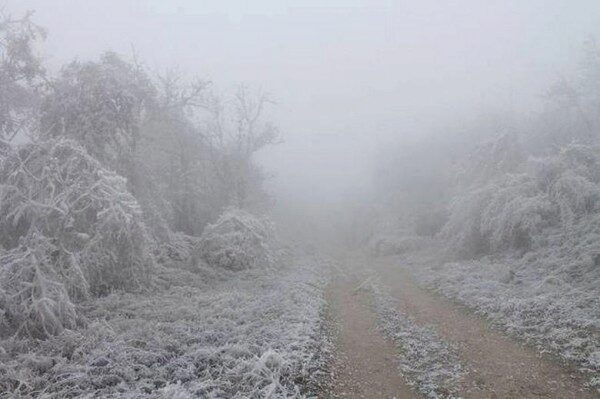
column 462, row 232
column 512, row 211
column 32, row 297
column 581, row 159
column 575, row 196
column 178, row 247
column 69, row 229
column 571, row 180
column 99, row 105
column 236, row 241
column 515, row 213
column 506, row 214
column 493, row 158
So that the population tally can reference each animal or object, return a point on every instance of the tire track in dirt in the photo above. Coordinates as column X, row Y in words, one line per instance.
column 497, row 366
column 365, row 363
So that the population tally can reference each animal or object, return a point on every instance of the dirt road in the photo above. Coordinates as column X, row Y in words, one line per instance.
column 497, row 366
column 365, row 362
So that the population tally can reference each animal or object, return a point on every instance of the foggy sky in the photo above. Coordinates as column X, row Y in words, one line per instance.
column 348, row 76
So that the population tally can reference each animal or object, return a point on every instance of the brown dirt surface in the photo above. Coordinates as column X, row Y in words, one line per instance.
column 365, row 362
column 497, row 366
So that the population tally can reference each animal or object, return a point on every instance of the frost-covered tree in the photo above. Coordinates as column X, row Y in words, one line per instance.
column 69, row 229
column 174, row 154
column 571, row 110
column 21, row 74
column 492, row 158
column 236, row 129
column 100, row 105
column 166, row 135
column 119, row 162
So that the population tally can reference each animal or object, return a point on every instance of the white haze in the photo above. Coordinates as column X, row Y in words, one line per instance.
column 348, row 76
column 439, row 163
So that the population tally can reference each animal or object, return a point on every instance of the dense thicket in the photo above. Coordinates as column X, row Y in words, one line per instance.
column 104, row 169
column 70, row 229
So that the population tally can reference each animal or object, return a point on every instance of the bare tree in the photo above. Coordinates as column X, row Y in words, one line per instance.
column 236, row 130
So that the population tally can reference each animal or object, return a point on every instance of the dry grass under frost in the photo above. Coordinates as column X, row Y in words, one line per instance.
column 208, row 333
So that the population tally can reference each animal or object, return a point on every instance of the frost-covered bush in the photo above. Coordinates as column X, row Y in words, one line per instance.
column 514, row 214
column 575, row 196
column 69, row 229
column 178, row 247
column 497, row 157
column 462, row 232
column 33, row 298
column 506, row 214
column 571, row 179
column 513, row 211
column 99, row 105
column 237, row 240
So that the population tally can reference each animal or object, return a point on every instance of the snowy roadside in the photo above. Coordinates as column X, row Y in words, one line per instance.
column 213, row 334
column 527, row 299
column 429, row 364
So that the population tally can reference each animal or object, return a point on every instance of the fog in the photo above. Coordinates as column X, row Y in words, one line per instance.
column 300, row 199
column 348, row 76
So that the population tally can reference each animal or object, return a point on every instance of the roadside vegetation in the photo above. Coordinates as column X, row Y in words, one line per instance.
column 509, row 208
column 135, row 259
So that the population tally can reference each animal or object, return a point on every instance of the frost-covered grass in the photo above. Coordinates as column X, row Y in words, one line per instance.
column 429, row 364
column 548, row 299
column 208, row 333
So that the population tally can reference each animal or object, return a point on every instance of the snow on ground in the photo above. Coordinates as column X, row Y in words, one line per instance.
column 429, row 364
column 531, row 298
column 209, row 333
